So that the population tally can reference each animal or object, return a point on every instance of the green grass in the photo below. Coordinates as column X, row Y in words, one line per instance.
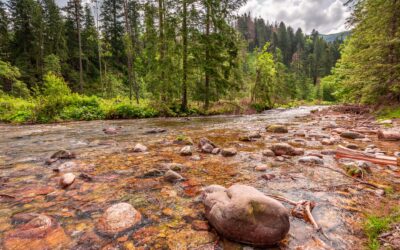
column 375, row 225
column 389, row 113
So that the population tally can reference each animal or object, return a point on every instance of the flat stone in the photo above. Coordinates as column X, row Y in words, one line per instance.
column 311, row 160
column 352, row 135
column 228, row 152
column 276, row 128
column 40, row 232
column 268, row 153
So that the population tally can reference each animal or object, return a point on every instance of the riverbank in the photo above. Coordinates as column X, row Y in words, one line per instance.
column 111, row 168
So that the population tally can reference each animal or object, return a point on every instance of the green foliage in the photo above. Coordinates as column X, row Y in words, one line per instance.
column 389, row 113
column 125, row 110
column 52, row 64
column 15, row 110
column 375, row 225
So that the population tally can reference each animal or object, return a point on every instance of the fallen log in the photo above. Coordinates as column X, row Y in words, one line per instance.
column 343, row 152
column 389, row 135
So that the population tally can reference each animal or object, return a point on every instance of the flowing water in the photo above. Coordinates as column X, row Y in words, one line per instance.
column 173, row 215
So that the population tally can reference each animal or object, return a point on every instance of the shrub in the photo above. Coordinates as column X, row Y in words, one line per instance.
column 128, row 111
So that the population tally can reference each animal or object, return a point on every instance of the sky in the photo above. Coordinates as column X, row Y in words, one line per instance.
column 326, row 16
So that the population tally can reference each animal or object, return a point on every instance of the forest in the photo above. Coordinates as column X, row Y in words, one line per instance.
column 128, row 59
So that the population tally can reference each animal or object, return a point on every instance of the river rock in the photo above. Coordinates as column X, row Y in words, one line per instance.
column 250, row 137
column 215, row 151
column 228, row 152
column 186, row 151
column 268, row 153
column 276, row 128
column 40, row 232
column 352, row 146
column 268, row 177
column 156, row 131
column 311, row 160
column 67, row 179
column 111, row 130
column 172, row 176
column 352, row 135
column 118, row 218
column 244, row 214
column 206, row 146
column 261, row 168
column 283, row 149
column 66, row 166
column 139, row 148
column 328, row 152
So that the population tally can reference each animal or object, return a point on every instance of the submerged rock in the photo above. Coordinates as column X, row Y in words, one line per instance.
column 206, row 146
column 139, row 148
column 352, row 135
column 311, row 160
column 276, row 128
column 61, row 154
column 155, row 131
column 172, row 176
column 186, row 151
column 40, row 232
column 283, row 149
column 111, row 130
column 228, row 152
column 268, row 153
column 118, row 218
column 67, row 179
column 243, row 214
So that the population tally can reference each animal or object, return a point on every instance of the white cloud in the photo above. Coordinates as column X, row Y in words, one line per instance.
column 326, row 16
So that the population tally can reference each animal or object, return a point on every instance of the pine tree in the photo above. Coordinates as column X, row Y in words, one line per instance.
column 4, row 32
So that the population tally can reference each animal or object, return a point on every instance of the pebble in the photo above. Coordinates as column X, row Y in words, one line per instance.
column 139, row 148
column 228, row 152
column 186, row 151
column 67, row 179
column 172, row 176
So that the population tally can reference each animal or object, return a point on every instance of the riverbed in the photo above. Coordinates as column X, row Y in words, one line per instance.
column 109, row 172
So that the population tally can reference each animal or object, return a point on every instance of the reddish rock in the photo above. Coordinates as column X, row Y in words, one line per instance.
column 40, row 232
column 200, row 225
column 118, row 218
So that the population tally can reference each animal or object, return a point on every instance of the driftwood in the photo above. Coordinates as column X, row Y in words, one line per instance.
column 389, row 135
column 343, row 152
column 350, row 177
column 302, row 209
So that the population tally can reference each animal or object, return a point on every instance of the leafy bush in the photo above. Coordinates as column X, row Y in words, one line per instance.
column 128, row 111
column 15, row 110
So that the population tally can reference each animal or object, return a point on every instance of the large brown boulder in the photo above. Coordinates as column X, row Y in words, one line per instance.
column 243, row 214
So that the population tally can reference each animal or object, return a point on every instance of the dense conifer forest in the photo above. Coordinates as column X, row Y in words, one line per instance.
column 127, row 59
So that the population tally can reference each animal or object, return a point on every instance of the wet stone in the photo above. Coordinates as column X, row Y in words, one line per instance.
column 216, row 151
column 155, row 131
column 67, row 179
column 139, row 148
column 266, row 219
column 261, row 168
column 268, row 177
column 352, row 146
column 186, row 151
column 118, row 218
column 172, row 176
column 268, row 153
column 311, row 160
column 283, row 149
column 40, row 232
column 228, row 152
column 276, row 128
column 352, row 135
column 111, row 130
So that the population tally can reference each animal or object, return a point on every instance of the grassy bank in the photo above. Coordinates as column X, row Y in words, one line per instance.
column 376, row 225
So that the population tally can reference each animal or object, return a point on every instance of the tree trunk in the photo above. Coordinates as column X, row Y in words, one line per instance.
column 207, row 48
column 129, row 52
column 99, row 45
column 162, row 49
column 184, row 57
column 78, row 26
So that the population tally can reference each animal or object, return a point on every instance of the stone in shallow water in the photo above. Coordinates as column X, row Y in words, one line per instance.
column 227, row 152
column 118, row 218
column 268, row 153
column 275, row 128
column 283, row 149
column 41, row 232
column 352, row 135
column 139, row 148
column 311, row 160
column 244, row 214
column 67, row 179
column 172, row 176
column 186, row 151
